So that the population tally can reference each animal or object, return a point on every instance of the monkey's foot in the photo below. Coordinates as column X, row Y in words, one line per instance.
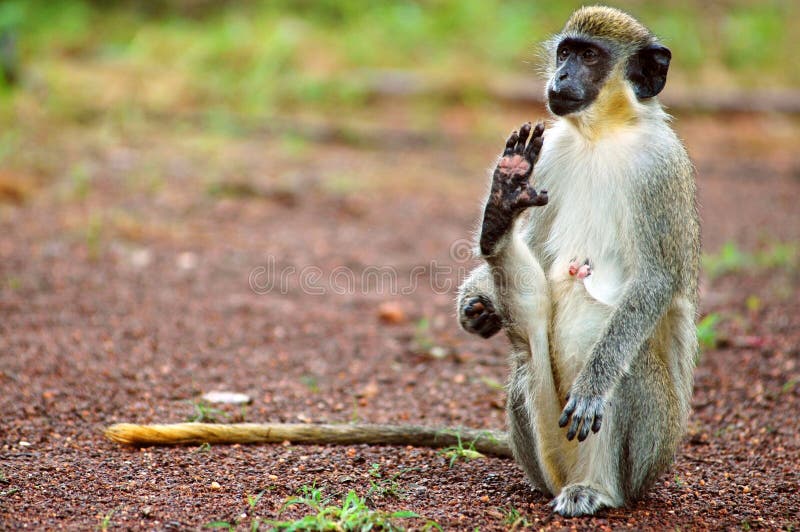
column 478, row 316
column 578, row 500
column 511, row 191
column 580, row 270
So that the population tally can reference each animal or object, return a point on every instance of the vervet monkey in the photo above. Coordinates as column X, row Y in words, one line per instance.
column 596, row 286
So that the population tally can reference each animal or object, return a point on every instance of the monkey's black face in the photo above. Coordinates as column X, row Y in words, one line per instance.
column 582, row 67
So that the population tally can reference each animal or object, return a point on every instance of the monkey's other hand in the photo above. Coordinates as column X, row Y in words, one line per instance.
column 478, row 316
column 586, row 411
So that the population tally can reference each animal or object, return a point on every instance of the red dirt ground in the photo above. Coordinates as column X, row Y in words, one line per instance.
column 135, row 320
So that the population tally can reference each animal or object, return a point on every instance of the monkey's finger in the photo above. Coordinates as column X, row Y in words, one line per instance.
column 538, row 130
column 573, row 427
column 533, row 148
column 524, row 131
column 568, row 411
column 511, row 142
column 598, row 419
column 533, row 199
column 569, row 408
column 584, row 433
column 541, row 199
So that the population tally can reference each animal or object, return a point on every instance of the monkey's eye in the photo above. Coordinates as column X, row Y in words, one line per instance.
column 590, row 56
column 563, row 54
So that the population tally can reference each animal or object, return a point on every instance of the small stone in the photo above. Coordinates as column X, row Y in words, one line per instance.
column 141, row 258
column 215, row 486
column 187, row 260
column 391, row 312
column 369, row 391
column 25, row 444
column 438, row 352
column 228, row 398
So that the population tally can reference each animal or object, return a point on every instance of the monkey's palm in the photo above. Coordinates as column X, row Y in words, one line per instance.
column 511, row 191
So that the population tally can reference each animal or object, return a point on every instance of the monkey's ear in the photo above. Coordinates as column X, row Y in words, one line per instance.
column 647, row 70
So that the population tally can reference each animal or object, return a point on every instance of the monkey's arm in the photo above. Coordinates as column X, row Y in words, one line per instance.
column 511, row 192
column 517, row 277
column 484, row 441
column 642, row 305
column 510, row 269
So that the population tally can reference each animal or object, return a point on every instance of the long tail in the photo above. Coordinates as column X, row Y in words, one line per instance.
column 484, row 441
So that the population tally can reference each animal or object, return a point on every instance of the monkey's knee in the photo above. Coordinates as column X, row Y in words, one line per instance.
column 477, row 315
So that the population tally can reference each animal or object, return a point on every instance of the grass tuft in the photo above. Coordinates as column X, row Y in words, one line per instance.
column 205, row 413
column 458, row 452
column 351, row 514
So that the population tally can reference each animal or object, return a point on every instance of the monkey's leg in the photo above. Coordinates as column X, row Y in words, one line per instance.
column 653, row 422
column 641, row 430
column 523, row 296
column 519, row 283
column 477, row 313
column 523, row 435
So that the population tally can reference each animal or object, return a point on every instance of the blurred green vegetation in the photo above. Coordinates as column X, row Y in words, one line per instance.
column 80, row 77
column 79, row 58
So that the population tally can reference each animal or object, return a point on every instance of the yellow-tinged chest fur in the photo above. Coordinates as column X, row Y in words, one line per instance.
column 615, row 109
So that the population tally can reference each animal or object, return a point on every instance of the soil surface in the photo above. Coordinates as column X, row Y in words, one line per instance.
column 320, row 281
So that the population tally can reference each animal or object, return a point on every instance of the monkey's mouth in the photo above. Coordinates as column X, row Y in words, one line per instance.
column 563, row 103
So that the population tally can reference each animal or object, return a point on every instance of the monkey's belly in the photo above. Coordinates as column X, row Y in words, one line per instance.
column 581, row 313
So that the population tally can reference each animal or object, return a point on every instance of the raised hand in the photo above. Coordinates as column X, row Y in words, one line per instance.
column 511, row 191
